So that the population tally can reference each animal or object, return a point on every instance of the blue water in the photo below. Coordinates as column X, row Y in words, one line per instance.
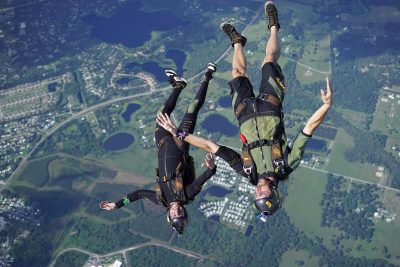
column 179, row 57
column 79, row 96
column 316, row 144
column 225, row 101
column 130, row 109
column 150, row 67
column 118, row 141
column 217, row 123
column 52, row 87
column 214, row 218
column 249, row 230
column 123, row 81
column 131, row 26
column 217, row 191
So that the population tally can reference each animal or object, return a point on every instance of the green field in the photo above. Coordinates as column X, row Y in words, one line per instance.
column 73, row 258
column 305, row 192
column 97, row 237
column 36, row 173
column 338, row 164
column 292, row 258
column 385, row 235
column 386, row 119
column 157, row 256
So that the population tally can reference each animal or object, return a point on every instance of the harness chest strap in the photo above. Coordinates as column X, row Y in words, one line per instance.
column 277, row 158
column 268, row 98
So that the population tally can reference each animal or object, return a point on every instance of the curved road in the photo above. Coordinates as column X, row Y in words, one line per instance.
column 124, row 251
column 107, row 103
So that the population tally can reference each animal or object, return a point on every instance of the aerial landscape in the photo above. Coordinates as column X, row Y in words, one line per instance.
column 80, row 86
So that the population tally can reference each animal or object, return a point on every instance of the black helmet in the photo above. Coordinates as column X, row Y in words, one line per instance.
column 178, row 224
column 269, row 205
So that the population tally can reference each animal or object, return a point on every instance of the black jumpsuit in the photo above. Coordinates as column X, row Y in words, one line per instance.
column 170, row 155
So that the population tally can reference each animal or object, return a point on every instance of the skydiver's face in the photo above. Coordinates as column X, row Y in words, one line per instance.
column 263, row 189
column 176, row 210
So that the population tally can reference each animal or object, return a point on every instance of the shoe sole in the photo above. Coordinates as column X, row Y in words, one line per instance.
column 212, row 66
column 267, row 4
column 227, row 24
column 170, row 73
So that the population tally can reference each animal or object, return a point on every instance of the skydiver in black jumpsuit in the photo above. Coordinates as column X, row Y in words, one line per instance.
column 176, row 183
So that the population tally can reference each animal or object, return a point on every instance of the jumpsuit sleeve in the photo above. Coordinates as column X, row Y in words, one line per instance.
column 138, row 194
column 297, row 151
column 195, row 187
column 233, row 158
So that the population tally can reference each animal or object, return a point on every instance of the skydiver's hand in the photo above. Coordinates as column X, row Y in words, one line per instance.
column 164, row 121
column 327, row 95
column 209, row 161
column 105, row 205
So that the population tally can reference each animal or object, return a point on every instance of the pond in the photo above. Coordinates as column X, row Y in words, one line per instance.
column 217, row 191
column 179, row 57
column 249, row 230
column 217, row 123
column 130, row 26
column 118, row 141
column 225, row 101
column 214, row 218
column 123, row 81
column 52, row 87
column 130, row 109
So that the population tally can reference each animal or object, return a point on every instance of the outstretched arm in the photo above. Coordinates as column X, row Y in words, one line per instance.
column 164, row 121
column 316, row 119
column 131, row 197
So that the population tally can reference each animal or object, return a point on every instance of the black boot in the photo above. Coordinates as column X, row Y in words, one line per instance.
column 175, row 80
column 272, row 14
column 211, row 68
column 235, row 37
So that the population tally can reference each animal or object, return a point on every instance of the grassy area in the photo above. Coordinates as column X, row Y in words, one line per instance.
column 357, row 119
column 305, row 192
column 36, row 172
column 386, row 119
column 338, row 163
column 385, row 242
column 100, row 238
column 293, row 258
column 156, row 256
column 72, row 258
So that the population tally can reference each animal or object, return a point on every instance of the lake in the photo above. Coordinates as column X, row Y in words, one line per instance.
column 131, row 26
column 130, row 109
column 217, row 123
column 217, row 191
column 225, row 101
column 123, row 81
column 179, row 57
column 118, row 141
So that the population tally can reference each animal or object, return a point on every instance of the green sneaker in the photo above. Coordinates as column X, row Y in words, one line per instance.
column 233, row 34
column 272, row 14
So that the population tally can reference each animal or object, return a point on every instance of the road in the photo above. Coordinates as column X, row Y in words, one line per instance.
column 185, row 252
column 107, row 103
